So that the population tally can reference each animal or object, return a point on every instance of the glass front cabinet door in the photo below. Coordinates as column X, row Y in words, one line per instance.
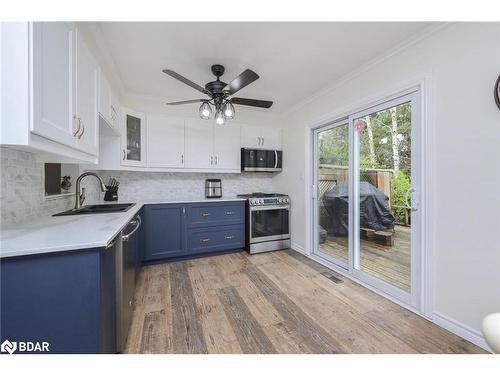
column 133, row 150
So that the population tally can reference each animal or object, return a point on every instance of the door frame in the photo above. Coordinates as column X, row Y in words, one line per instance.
column 420, row 84
column 412, row 298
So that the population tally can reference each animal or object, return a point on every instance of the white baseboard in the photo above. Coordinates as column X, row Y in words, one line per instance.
column 459, row 329
column 298, row 248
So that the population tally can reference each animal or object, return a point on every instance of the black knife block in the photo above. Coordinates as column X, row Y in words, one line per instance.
column 111, row 194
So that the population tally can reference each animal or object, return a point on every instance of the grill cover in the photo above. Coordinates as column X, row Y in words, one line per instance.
column 374, row 208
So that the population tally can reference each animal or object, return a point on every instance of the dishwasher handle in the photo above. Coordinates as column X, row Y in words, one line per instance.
column 137, row 223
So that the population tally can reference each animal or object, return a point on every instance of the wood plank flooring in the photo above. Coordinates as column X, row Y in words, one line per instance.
column 388, row 263
column 278, row 302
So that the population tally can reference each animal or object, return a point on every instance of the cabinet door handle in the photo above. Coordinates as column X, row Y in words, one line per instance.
column 205, row 214
column 228, row 237
column 83, row 128
column 229, row 212
column 216, row 160
column 124, row 154
column 77, row 119
column 259, row 140
column 184, row 211
column 263, row 140
column 211, row 160
column 182, row 159
column 204, row 239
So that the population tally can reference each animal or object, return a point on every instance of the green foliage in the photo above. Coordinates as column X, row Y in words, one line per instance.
column 400, row 183
column 334, row 146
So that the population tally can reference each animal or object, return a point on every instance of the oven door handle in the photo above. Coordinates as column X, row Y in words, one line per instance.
column 265, row 208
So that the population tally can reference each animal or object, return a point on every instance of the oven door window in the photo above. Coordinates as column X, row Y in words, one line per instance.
column 269, row 223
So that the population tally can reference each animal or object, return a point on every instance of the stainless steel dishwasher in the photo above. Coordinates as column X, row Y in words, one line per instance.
column 125, row 280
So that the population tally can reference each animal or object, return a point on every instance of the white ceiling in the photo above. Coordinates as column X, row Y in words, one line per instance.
column 294, row 60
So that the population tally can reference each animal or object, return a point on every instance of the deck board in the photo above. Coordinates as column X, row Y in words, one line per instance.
column 388, row 263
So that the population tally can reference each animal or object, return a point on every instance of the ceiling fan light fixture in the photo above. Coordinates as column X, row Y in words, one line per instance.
column 205, row 111
column 229, row 110
column 219, row 118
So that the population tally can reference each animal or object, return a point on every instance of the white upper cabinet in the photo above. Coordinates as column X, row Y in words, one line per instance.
column 133, row 135
column 53, row 77
column 199, row 144
column 165, row 142
column 53, row 49
column 108, row 103
column 210, row 146
column 104, row 98
column 271, row 138
column 227, row 148
column 267, row 138
column 85, row 98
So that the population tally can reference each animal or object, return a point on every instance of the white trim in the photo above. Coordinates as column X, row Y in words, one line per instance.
column 459, row 329
column 420, row 83
column 298, row 248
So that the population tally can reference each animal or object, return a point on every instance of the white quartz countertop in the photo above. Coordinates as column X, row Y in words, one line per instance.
column 63, row 233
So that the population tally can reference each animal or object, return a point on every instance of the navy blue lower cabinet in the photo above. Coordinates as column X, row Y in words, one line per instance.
column 205, row 240
column 66, row 299
column 208, row 214
column 164, row 235
column 177, row 231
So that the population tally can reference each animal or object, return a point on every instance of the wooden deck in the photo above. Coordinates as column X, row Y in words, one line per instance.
column 278, row 302
column 389, row 263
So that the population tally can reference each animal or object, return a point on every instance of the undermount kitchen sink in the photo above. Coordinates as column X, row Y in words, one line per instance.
column 97, row 209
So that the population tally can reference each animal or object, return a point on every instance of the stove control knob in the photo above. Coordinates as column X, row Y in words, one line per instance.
column 253, row 201
column 281, row 200
column 261, row 201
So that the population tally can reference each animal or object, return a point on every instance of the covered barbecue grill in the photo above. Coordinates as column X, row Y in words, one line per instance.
column 374, row 208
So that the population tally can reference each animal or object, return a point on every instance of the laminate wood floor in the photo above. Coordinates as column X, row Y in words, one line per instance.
column 278, row 302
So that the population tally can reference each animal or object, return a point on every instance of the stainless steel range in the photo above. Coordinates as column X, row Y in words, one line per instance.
column 268, row 222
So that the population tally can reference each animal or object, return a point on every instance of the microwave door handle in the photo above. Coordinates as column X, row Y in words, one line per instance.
column 275, row 159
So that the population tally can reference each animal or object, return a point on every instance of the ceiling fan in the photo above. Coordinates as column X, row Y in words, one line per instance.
column 220, row 94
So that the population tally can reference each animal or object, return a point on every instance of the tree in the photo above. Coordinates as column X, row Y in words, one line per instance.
column 394, row 139
column 370, row 141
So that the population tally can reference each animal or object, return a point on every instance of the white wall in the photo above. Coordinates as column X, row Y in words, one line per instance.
column 463, row 62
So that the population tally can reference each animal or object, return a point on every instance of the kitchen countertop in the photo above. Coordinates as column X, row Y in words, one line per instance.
column 63, row 233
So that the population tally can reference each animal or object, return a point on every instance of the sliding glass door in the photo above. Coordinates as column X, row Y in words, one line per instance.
column 332, row 181
column 366, row 180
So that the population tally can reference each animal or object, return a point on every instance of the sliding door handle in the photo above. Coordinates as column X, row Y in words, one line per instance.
column 407, row 202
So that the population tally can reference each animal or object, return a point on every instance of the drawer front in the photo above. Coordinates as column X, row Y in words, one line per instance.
column 205, row 215
column 216, row 239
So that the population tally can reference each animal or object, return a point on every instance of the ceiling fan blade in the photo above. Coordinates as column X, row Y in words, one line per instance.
column 252, row 102
column 187, row 101
column 186, row 81
column 244, row 79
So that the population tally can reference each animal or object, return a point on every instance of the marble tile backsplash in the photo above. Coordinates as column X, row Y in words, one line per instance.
column 137, row 186
column 22, row 189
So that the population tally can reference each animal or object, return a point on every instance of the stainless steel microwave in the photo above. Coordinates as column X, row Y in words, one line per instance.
column 254, row 160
